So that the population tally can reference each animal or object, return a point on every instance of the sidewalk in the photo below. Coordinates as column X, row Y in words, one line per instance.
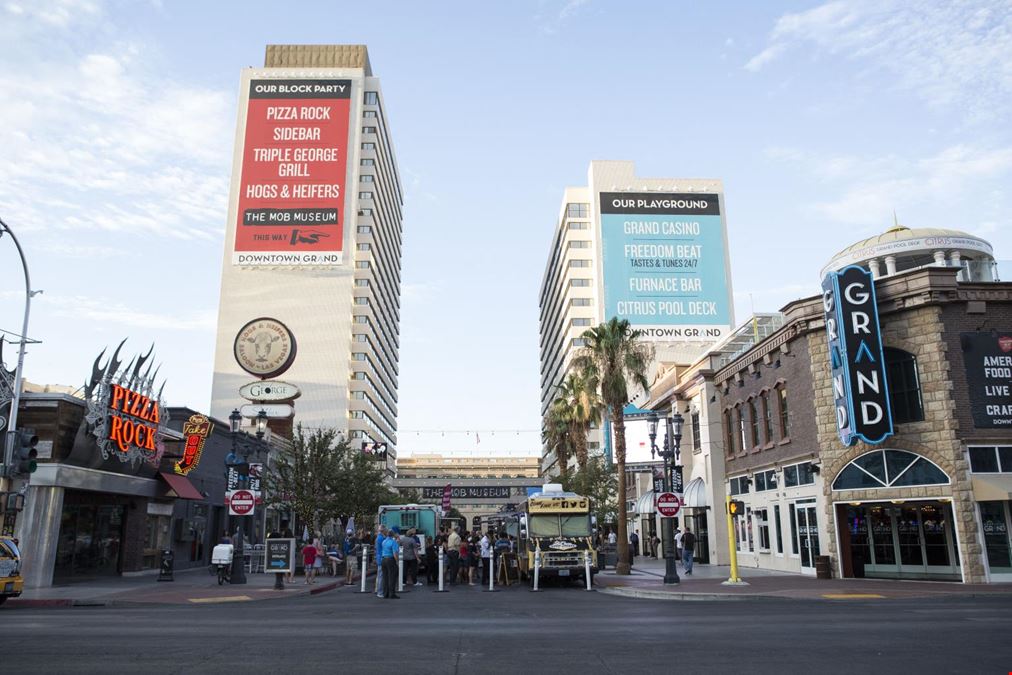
column 194, row 586
column 705, row 583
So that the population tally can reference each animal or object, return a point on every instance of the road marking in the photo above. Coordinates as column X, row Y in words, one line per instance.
column 227, row 598
column 852, row 596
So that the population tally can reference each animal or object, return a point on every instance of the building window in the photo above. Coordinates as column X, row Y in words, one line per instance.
column 363, row 247
column 785, row 419
column 578, row 225
column 358, row 395
column 361, row 301
column 579, row 263
column 794, row 531
column 366, row 178
column 799, row 474
column 579, row 283
column 362, row 283
column 369, row 114
column 904, row 386
column 577, row 210
column 368, row 146
column 371, row 98
column 697, row 442
column 361, row 338
column 367, row 162
column 365, row 195
column 362, row 319
column 740, row 420
column 581, row 322
column 767, row 412
column 580, row 302
column 764, row 530
column 368, row 130
column 362, row 264
column 990, row 459
column 739, row 485
column 356, row 414
column 776, row 529
column 358, row 375
column 753, row 416
column 364, row 229
column 728, row 433
column 365, row 212
column 765, row 480
column 889, row 468
column 358, row 356
column 579, row 342
column 579, row 243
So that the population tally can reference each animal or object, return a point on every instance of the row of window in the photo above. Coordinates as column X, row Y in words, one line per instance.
column 794, row 476
column 989, row 459
column 751, row 424
column 803, row 527
column 577, row 210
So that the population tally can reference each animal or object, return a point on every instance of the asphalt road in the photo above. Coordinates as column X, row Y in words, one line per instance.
column 559, row 631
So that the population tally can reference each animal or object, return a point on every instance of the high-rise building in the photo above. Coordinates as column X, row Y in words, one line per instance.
column 650, row 250
column 311, row 276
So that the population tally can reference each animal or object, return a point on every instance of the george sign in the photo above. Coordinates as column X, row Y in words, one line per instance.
column 665, row 263
column 987, row 358
column 293, row 177
column 860, row 390
column 196, row 430
column 240, row 502
column 280, row 556
column 668, row 504
column 269, row 390
column 264, row 347
column 272, row 410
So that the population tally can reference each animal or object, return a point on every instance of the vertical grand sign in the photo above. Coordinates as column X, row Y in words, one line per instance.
column 860, row 390
column 294, row 168
column 665, row 263
column 987, row 357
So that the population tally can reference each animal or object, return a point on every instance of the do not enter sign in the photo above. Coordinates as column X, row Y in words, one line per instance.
column 668, row 504
column 241, row 503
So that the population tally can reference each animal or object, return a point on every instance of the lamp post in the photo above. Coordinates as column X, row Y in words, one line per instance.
column 261, row 424
column 233, row 461
column 672, row 429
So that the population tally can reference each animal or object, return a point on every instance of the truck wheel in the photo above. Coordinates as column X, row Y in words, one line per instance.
column 3, row 599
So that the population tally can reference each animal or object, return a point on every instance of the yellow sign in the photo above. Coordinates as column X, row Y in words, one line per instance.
column 556, row 504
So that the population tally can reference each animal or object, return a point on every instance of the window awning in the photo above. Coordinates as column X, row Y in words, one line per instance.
column 180, row 486
column 995, row 488
column 695, row 494
column 645, row 504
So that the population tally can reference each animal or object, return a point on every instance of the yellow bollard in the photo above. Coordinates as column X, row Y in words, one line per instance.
column 732, row 548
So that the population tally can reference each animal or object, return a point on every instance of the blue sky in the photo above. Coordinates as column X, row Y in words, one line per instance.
column 118, row 121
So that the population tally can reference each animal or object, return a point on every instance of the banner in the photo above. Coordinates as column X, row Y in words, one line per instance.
column 469, row 492
column 446, row 498
column 987, row 358
column 665, row 264
column 294, row 171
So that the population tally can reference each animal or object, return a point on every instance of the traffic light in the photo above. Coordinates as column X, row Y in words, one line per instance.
column 736, row 508
column 25, row 452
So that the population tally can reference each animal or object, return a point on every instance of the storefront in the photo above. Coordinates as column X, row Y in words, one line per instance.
column 991, row 477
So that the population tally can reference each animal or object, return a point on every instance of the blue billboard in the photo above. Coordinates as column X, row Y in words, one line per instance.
column 665, row 263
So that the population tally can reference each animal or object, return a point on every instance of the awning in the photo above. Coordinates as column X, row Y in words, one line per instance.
column 996, row 488
column 695, row 495
column 645, row 504
column 180, row 486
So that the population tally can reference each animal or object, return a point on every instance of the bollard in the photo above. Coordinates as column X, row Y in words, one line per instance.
column 400, row 569
column 491, row 573
column 586, row 569
column 165, row 565
column 441, row 589
column 365, row 566
column 537, row 569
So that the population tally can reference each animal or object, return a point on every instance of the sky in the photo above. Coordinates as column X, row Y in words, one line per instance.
column 823, row 119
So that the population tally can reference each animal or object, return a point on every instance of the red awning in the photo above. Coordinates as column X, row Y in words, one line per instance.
column 182, row 486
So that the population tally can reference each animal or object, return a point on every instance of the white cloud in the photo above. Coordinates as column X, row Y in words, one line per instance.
column 948, row 53
column 108, row 311
column 550, row 19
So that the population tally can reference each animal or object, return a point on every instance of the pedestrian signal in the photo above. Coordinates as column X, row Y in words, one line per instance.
column 735, row 507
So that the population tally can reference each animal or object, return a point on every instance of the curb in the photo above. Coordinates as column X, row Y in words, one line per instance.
column 647, row 594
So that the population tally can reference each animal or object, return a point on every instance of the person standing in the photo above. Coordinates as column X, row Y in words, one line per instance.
column 688, row 546
column 380, row 539
column 353, row 546
column 634, row 543
column 678, row 544
column 486, row 558
column 612, row 538
column 309, row 561
column 431, row 560
column 410, row 547
column 453, row 553
column 388, row 561
column 655, row 544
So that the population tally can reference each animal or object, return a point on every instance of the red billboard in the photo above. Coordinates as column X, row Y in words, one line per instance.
column 294, row 169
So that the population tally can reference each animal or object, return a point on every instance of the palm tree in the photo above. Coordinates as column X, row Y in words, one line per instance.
column 614, row 359
column 584, row 404
column 557, row 436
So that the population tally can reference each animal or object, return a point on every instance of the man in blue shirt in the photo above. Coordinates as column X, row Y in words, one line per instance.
column 389, row 563
column 379, row 560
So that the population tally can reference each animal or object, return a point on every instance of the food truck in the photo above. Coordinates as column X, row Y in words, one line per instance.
column 559, row 525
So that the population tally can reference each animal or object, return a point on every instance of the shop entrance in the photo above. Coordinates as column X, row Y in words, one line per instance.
column 805, row 533
column 697, row 523
column 911, row 540
column 90, row 542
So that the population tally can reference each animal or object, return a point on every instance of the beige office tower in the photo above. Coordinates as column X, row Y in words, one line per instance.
column 650, row 250
column 311, row 277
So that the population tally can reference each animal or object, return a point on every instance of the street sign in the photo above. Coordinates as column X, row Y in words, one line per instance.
column 269, row 390
column 668, row 504
column 280, row 556
column 273, row 410
column 240, row 502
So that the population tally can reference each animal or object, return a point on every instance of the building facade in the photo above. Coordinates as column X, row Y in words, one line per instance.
column 311, row 285
column 650, row 250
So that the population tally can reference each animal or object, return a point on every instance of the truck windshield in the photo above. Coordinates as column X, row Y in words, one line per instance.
column 543, row 526
column 576, row 525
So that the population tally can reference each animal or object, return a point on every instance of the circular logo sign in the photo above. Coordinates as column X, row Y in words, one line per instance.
column 668, row 504
column 242, row 502
column 264, row 347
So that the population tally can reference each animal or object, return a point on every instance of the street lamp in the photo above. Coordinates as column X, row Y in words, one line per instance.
column 241, row 467
column 671, row 454
column 261, row 424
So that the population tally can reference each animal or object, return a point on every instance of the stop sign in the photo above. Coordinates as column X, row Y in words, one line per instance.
column 241, row 502
column 668, row 504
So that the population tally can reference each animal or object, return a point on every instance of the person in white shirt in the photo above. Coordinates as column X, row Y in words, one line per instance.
column 678, row 544
column 612, row 538
column 486, row 558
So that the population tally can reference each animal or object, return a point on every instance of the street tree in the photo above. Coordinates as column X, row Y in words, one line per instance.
column 583, row 408
column 615, row 360
column 597, row 481
column 557, row 436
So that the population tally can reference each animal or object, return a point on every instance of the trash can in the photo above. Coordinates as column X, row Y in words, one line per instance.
column 857, row 564
column 166, row 565
column 822, row 567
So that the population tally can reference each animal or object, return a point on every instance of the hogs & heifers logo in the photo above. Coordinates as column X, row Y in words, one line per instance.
column 860, row 390
column 265, row 347
column 124, row 408
column 196, row 430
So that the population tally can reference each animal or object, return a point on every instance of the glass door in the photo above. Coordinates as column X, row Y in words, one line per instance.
column 807, row 534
